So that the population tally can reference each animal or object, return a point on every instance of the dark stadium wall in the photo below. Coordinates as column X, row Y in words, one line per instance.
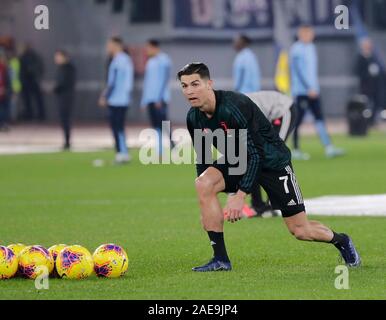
column 82, row 28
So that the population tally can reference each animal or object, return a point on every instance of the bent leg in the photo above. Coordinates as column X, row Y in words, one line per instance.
column 208, row 185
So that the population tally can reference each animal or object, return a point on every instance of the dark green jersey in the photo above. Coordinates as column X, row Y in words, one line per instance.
column 265, row 149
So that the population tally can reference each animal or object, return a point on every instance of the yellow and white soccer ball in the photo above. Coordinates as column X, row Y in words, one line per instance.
column 110, row 260
column 33, row 259
column 8, row 263
column 74, row 262
column 16, row 248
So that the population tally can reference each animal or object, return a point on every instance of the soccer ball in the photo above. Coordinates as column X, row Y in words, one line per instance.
column 16, row 248
column 74, row 262
column 8, row 263
column 110, row 261
column 32, row 258
column 54, row 251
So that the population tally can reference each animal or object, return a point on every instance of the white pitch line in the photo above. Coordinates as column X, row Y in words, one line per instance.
column 362, row 205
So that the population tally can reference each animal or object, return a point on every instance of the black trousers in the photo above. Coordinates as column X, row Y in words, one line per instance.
column 117, row 116
column 4, row 111
column 65, row 108
column 304, row 103
column 157, row 115
column 31, row 93
column 375, row 104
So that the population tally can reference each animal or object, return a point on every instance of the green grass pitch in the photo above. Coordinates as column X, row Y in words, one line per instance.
column 152, row 212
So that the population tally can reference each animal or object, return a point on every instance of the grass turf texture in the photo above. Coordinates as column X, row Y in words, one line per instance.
column 152, row 212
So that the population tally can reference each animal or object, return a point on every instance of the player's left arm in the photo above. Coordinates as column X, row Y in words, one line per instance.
column 245, row 118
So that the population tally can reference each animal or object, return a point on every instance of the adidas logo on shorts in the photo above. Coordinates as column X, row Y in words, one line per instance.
column 291, row 203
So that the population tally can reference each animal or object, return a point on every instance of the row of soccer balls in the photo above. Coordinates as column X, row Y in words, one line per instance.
column 72, row 262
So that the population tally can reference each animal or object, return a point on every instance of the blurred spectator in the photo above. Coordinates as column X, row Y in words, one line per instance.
column 372, row 78
column 31, row 74
column 306, row 91
column 14, row 68
column 246, row 69
column 65, row 92
column 117, row 95
column 156, row 93
column 5, row 92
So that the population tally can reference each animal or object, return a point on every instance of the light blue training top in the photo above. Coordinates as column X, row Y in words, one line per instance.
column 304, row 68
column 120, row 81
column 246, row 72
column 156, row 80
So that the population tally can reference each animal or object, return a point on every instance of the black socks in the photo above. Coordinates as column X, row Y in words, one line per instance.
column 338, row 239
column 218, row 245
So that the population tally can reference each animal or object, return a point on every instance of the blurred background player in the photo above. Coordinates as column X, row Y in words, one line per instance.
column 117, row 95
column 31, row 74
column 306, row 91
column 5, row 92
column 156, row 93
column 65, row 92
column 372, row 78
column 246, row 69
column 279, row 109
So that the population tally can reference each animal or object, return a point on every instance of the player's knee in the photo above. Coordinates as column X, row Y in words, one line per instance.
column 204, row 186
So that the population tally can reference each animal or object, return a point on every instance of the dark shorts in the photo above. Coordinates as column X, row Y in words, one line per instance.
column 280, row 185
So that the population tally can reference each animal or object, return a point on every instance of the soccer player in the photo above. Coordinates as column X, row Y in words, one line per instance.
column 279, row 109
column 31, row 74
column 65, row 92
column 268, row 163
column 246, row 69
column 156, row 93
column 117, row 95
column 371, row 75
column 306, row 91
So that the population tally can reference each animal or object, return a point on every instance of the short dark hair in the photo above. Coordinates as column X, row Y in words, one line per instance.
column 194, row 68
column 245, row 39
column 117, row 40
column 153, row 42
